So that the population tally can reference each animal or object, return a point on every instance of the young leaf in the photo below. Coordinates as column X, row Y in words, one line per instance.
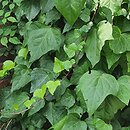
column 68, row 64
column 12, row 19
column 29, row 103
column 14, row 40
column 40, row 92
column 52, row 85
column 4, row 41
column 58, row 66
column 70, row 50
column 40, row 76
column 1, row 12
column 8, row 65
column 23, row 53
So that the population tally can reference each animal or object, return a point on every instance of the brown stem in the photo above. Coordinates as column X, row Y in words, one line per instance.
column 95, row 12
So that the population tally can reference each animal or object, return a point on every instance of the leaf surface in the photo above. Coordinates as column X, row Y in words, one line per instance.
column 70, row 9
column 95, row 87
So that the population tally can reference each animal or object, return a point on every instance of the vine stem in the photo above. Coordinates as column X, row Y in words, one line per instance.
column 8, row 124
column 95, row 12
column 2, row 126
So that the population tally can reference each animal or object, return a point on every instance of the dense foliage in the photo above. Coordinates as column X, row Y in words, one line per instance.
column 67, row 63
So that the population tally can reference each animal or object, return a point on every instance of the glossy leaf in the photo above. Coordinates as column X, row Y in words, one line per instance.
column 70, row 9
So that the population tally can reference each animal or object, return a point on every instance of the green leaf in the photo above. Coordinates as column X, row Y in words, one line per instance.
column 109, row 108
column 53, row 114
column 95, row 87
column 39, row 77
column 86, row 28
column 4, row 3
column 31, row 8
column 85, row 15
column 68, row 64
column 96, row 41
column 9, row 110
column 121, row 41
column 29, row 103
column 104, row 32
column 11, row 6
column 21, row 77
column 79, row 71
column 1, row 31
column 52, row 16
column 4, row 41
column 110, row 56
column 76, row 109
column 70, row 9
column 37, row 106
column 14, row 40
column 52, row 85
column 18, row 2
column 43, row 40
column 98, row 124
column 73, row 36
column 70, row 122
column 62, row 88
column 113, row 5
column 7, row 14
column 1, row 12
column 125, row 128
column 8, row 65
column 60, row 65
column 105, row 12
column 40, row 92
column 67, row 27
column 12, row 19
column 2, row 73
column 124, row 88
column 70, row 50
column 4, row 20
column 67, row 100
column 46, row 5
column 23, row 52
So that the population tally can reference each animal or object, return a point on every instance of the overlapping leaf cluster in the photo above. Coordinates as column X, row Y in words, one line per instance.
column 72, row 64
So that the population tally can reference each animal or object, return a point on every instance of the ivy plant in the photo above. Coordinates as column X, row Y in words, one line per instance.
column 71, row 64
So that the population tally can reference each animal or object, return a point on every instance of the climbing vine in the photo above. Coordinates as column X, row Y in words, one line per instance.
column 64, row 65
